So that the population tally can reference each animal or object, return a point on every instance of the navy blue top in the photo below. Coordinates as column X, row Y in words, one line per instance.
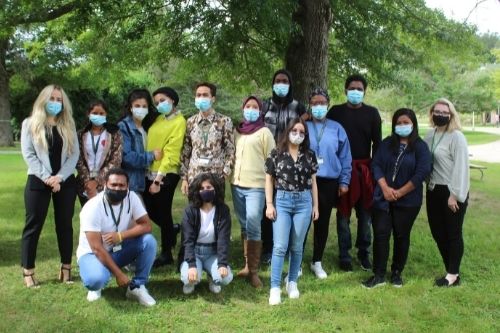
column 413, row 165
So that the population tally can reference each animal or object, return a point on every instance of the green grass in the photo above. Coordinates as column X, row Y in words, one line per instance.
column 338, row 303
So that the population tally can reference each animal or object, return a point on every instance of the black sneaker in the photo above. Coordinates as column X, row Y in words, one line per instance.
column 346, row 266
column 366, row 265
column 374, row 282
column 163, row 259
column 443, row 282
column 396, row 279
column 265, row 258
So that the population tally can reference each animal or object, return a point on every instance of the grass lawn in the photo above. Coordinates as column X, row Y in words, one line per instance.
column 338, row 303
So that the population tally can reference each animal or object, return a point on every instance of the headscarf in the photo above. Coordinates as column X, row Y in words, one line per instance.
column 246, row 127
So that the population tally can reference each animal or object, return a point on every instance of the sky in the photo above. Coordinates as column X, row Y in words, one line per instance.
column 486, row 16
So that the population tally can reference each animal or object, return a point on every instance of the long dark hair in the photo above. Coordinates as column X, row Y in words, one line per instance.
column 283, row 143
column 136, row 94
column 414, row 133
column 194, row 189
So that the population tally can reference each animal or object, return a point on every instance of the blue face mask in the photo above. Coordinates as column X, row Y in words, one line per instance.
column 97, row 120
column 251, row 115
column 281, row 89
column 319, row 111
column 164, row 107
column 355, row 96
column 403, row 130
column 53, row 108
column 203, row 103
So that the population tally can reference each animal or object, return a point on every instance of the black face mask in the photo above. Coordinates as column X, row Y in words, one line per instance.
column 207, row 195
column 440, row 120
column 115, row 196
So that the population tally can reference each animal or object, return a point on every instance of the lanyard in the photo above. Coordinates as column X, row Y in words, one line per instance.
column 319, row 135
column 95, row 147
column 205, row 129
column 433, row 148
column 116, row 221
column 398, row 163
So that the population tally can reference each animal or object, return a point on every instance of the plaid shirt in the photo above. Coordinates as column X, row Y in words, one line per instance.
column 208, row 146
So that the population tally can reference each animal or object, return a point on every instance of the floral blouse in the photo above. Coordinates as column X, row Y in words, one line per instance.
column 290, row 175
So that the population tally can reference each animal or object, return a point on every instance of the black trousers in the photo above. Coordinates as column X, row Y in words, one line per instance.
column 36, row 201
column 159, row 208
column 446, row 227
column 327, row 200
column 400, row 221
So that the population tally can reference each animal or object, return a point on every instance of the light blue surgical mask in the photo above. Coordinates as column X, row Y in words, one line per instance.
column 97, row 119
column 250, row 114
column 139, row 113
column 53, row 108
column 355, row 96
column 319, row 111
column 164, row 107
column 281, row 89
column 403, row 130
column 203, row 103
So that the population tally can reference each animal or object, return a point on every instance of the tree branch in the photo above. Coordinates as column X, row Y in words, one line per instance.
column 44, row 16
column 473, row 9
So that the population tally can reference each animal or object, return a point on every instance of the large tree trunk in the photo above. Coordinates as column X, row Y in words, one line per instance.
column 307, row 53
column 5, row 125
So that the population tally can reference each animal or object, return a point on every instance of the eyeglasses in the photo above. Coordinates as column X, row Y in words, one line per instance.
column 441, row 113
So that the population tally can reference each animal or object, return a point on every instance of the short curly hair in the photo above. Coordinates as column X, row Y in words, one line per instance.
column 195, row 187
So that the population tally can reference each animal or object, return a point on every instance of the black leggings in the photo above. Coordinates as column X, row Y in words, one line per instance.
column 159, row 208
column 446, row 227
column 397, row 219
column 37, row 197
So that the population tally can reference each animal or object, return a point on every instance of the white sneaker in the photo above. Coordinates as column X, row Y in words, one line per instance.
column 298, row 275
column 141, row 295
column 213, row 287
column 275, row 296
column 318, row 270
column 93, row 295
column 188, row 288
column 291, row 289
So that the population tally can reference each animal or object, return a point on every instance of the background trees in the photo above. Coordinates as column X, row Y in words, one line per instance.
column 104, row 48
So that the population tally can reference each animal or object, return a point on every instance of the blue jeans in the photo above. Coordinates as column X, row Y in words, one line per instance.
column 206, row 260
column 293, row 217
column 249, row 206
column 142, row 249
column 363, row 237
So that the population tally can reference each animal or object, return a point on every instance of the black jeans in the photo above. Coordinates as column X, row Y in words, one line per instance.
column 36, row 201
column 400, row 221
column 159, row 208
column 327, row 200
column 446, row 227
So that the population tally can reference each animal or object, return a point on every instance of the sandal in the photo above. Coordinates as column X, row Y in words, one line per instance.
column 65, row 278
column 31, row 284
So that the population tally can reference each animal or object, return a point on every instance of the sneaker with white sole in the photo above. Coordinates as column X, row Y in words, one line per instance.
column 188, row 288
column 141, row 295
column 275, row 296
column 93, row 295
column 318, row 270
column 292, row 290
column 213, row 287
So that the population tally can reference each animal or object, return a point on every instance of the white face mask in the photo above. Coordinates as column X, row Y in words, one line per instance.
column 296, row 138
column 140, row 113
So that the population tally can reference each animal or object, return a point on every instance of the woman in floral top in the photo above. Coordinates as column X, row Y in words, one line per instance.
column 291, row 167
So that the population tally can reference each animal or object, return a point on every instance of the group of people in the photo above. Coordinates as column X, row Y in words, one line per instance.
column 288, row 167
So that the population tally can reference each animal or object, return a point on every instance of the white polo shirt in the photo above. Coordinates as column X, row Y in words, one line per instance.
column 96, row 216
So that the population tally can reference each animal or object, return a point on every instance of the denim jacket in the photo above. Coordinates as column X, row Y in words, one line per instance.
column 135, row 159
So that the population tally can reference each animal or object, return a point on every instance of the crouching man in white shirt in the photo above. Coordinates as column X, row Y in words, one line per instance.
column 115, row 230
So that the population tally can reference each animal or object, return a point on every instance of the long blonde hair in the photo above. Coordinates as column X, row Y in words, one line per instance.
column 454, row 123
column 64, row 120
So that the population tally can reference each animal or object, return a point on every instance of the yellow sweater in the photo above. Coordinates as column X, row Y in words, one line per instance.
column 168, row 135
column 251, row 153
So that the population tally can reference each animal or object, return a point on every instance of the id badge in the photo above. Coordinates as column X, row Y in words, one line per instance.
column 117, row 248
column 320, row 160
column 204, row 161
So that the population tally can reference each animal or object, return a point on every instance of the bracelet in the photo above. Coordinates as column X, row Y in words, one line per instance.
column 120, row 237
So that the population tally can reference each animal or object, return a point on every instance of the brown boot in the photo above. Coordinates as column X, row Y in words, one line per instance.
column 244, row 271
column 254, row 250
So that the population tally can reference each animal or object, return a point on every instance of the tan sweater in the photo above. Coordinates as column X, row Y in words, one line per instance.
column 251, row 153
